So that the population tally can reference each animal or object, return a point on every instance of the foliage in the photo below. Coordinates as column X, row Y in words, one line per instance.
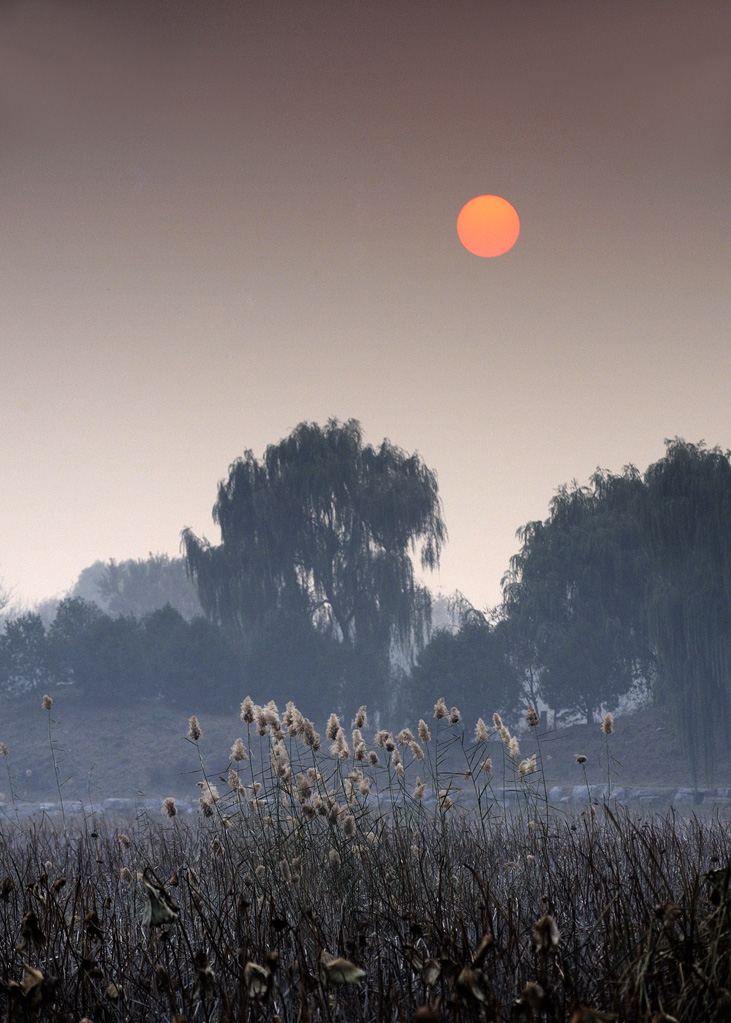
column 23, row 658
column 323, row 527
column 286, row 654
column 137, row 587
column 189, row 661
column 687, row 526
column 97, row 653
column 111, row 658
column 574, row 596
column 469, row 667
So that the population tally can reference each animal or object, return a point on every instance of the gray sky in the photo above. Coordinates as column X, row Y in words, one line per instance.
column 221, row 219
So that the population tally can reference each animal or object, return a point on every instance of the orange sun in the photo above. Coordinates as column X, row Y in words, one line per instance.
column 488, row 225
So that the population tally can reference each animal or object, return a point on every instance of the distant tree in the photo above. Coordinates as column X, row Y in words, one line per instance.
column 574, row 596
column 87, row 585
column 288, row 658
column 190, row 662
column 687, row 528
column 324, row 528
column 24, row 662
column 470, row 668
column 136, row 587
column 99, row 654
column 69, row 636
column 47, row 609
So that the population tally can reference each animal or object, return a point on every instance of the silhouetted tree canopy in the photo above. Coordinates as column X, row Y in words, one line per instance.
column 111, row 658
column 574, row 596
column 323, row 527
column 136, row 587
column 470, row 668
column 24, row 663
column 687, row 529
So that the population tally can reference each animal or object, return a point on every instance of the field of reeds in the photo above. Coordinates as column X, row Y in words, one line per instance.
column 366, row 876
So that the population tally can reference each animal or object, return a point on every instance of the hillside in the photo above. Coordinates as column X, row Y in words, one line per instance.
column 141, row 749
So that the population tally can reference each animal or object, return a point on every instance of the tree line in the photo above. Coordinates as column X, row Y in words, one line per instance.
column 627, row 586
column 624, row 589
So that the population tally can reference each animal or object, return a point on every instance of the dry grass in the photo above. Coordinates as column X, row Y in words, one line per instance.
column 307, row 899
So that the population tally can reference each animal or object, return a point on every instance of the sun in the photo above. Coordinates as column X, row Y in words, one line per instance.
column 488, row 225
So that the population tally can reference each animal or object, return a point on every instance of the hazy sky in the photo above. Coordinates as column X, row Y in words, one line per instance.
column 221, row 219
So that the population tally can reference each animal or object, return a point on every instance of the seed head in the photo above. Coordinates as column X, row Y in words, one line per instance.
column 247, row 711
column 532, row 995
column 334, row 972
column 260, row 718
column 472, row 985
column 258, row 981
column 361, row 718
column 580, row 758
column 424, row 733
column 169, row 809
column 480, row 731
column 445, row 803
column 238, row 751
column 270, row 714
column 204, row 987
column 303, row 789
column 333, row 725
column 608, row 724
column 545, row 934
column 531, row 716
column 310, row 737
column 194, row 729
column 47, row 702
column 440, row 709
column 209, row 792
column 513, row 748
column 4, row 749
column 339, row 748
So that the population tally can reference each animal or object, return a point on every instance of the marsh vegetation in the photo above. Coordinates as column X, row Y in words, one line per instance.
column 344, row 876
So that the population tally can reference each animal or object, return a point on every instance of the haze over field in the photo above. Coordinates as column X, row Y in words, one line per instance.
column 221, row 220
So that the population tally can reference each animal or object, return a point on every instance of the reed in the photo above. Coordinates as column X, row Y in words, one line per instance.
column 322, row 884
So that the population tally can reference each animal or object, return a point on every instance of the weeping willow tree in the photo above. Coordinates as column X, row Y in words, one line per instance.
column 324, row 527
column 573, row 597
column 687, row 524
